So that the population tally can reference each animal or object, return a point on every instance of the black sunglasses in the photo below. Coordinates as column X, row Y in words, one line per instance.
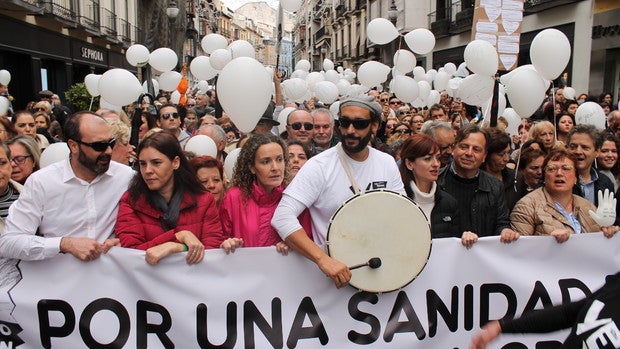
column 358, row 124
column 297, row 126
column 100, row 146
column 167, row 116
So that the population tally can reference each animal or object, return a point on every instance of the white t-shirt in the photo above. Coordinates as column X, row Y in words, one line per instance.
column 323, row 186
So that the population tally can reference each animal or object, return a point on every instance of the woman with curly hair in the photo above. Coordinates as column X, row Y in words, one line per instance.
column 259, row 179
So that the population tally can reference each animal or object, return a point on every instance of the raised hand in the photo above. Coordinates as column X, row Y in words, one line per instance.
column 605, row 214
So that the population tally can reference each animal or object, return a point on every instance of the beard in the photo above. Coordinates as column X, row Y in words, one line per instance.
column 361, row 145
column 98, row 166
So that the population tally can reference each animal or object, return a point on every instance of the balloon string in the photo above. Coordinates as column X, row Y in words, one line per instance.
column 555, row 117
column 90, row 108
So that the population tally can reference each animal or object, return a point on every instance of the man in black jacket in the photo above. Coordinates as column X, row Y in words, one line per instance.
column 480, row 196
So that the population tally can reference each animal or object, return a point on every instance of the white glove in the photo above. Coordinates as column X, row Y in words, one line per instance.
column 605, row 214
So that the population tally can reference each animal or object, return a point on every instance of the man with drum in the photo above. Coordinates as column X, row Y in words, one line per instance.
column 330, row 178
column 480, row 196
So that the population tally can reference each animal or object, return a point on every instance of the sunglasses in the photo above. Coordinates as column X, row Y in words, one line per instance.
column 167, row 116
column 100, row 146
column 191, row 105
column 396, row 102
column 297, row 126
column 19, row 160
column 39, row 109
column 384, row 101
column 358, row 124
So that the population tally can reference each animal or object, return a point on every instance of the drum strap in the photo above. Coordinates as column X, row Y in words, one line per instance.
column 347, row 169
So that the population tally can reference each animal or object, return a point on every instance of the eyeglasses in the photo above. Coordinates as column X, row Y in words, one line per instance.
column 100, row 146
column 564, row 168
column 297, row 126
column 167, row 116
column 403, row 131
column 358, row 124
column 384, row 100
column 191, row 105
column 19, row 160
column 396, row 102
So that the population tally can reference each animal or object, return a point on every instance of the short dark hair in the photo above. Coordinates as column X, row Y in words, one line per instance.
column 498, row 140
column 470, row 128
column 590, row 130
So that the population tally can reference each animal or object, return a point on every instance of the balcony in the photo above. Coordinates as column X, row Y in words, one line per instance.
column 63, row 10
column 124, row 31
column 320, row 34
column 533, row 6
column 108, row 24
column 439, row 21
column 463, row 18
column 89, row 16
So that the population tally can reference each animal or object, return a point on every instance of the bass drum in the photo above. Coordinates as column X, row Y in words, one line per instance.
column 381, row 224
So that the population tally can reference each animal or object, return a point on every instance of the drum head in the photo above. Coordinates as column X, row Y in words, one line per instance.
column 380, row 224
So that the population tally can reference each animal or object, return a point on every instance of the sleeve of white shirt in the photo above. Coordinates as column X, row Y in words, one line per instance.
column 19, row 240
column 285, row 220
column 397, row 181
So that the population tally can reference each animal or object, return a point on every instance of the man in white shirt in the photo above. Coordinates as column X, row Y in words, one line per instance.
column 70, row 206
column 322, row 184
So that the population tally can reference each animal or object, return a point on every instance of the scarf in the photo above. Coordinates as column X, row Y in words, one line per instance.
column 171, row 211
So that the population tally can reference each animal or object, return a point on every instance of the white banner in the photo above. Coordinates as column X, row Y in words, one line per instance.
column 256, row 298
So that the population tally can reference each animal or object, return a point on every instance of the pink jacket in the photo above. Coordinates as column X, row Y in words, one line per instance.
column 138, row 226
column 250, row 219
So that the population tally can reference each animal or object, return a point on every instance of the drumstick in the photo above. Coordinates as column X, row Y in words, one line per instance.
column 374, row 263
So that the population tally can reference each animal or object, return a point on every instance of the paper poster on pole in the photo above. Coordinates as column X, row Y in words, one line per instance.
column 499, row 23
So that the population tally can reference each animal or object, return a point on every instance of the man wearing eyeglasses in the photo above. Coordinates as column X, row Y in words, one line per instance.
column 170, row 120
column 322, row 184
column 300, row 127
column 70, row 206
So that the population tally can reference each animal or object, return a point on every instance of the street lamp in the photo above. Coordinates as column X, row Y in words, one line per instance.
column 393, row 13
column 172, row 11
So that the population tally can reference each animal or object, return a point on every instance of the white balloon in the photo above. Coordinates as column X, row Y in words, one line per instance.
column 340, row 69
column 476, row 89
column 5, row 77
column 433, row 98
column 450, row 68
column 350, row 76
column 313, row 78
column 381, row 31
column 145, row 88
column 219, row 58
column 590, row 113
column 425, row 89
column 137, row 55
column 526, row 92
column 299, row 73
column 53, row 153
column 294, row 88
column 405, row 88
column 304, row 65
column 462, row 70
column 453, row 86
column 328, row 64
column 513, row 121
column 241, row 48
column 169, row 81
column 119, row 87
column 212, row 42
column 244, row 91
column 5, row 104
column 103, row 104
column 332, row 75
column 203, row 85
column 92, row 84
column 201, row 145
column 404, row 61
column 201, row 68
column 396, row 72
column 356, row 90
column 419, row 73
column 505, row 79
column 334, row 109
column 441, row 81
column 291, row 5
column 550, row 52
column 420, row 41
column 163, row 59
column 326, row 92
column 569, row 93
column 175, row 97
column 230, row 161
column 481, row 57
column 283, row 118
column 372, row 73
column 343, row 86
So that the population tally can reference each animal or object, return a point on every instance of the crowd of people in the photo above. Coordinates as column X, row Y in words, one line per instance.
column 129, row 182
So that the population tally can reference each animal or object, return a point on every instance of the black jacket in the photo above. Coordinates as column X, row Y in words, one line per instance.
column 445, row 220
column 489, row 214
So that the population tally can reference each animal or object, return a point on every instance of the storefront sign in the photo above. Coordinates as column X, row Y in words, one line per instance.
column 599, row 31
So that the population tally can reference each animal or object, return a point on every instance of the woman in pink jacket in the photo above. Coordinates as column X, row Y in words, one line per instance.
column 258, row 182
column 166, row 210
